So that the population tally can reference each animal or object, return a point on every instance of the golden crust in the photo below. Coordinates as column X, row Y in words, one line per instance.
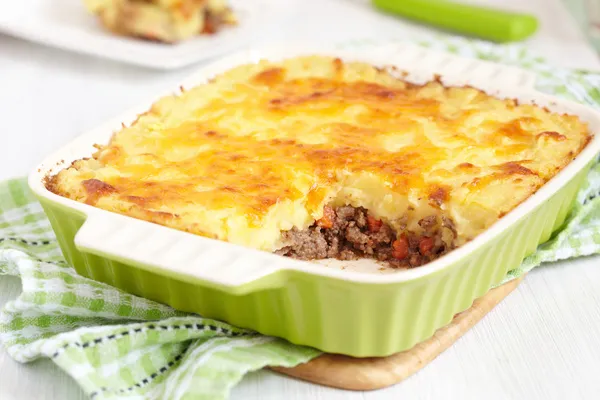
column 264, row 147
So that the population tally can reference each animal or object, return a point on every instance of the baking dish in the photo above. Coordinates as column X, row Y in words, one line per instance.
column 349, row 308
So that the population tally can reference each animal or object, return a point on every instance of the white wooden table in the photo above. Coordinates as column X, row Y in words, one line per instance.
column 541, row 343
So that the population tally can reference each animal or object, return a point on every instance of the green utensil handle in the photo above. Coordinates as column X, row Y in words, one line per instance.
column 486, row 23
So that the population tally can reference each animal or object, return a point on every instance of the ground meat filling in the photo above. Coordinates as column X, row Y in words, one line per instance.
column 348, row 233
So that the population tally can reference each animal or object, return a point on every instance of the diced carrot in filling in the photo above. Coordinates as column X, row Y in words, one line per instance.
column 373, row 223
column 425, row 245
column 400, row 248
column 327, row 220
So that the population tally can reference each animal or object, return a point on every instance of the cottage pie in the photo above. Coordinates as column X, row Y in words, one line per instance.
column 313, row 158
column 167, row 21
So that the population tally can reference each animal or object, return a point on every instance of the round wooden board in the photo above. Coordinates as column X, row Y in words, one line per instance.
column 350, row 373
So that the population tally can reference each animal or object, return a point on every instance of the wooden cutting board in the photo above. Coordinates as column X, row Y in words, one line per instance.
column 350, row 373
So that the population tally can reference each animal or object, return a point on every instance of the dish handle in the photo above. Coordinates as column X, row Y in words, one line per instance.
column 175, row 253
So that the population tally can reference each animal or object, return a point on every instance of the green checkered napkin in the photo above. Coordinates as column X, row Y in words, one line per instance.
column 116, row 345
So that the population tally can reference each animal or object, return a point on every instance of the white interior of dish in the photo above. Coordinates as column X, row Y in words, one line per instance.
column 161, row 248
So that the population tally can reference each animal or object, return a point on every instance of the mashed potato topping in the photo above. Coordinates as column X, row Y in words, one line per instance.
column 263, row 148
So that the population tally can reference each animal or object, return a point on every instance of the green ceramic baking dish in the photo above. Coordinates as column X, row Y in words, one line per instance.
column 360, row 310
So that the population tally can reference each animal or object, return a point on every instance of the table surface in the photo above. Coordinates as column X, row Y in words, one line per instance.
column 541, row 342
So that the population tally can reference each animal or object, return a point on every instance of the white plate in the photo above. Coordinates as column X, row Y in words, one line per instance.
column 66, row 24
